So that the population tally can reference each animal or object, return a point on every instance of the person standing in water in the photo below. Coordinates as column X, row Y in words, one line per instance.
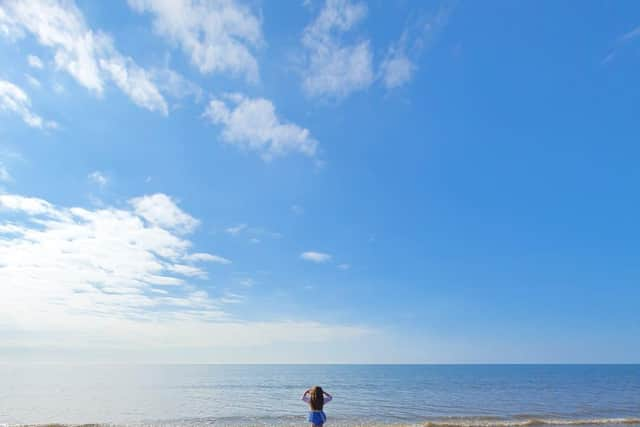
column 316, row 398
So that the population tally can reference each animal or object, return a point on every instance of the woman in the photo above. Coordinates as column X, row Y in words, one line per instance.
column 316, row 398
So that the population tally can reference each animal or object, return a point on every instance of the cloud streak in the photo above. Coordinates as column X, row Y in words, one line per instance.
column 5, row 176
column 622, row 41
column 13, row 99
column 399, row 64
column 204, row 257
column 630, row 35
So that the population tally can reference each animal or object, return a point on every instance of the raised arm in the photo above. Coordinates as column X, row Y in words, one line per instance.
column 328, row 397
column 305, row 394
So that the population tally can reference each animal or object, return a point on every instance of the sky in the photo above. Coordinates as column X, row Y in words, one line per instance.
column 316, row 181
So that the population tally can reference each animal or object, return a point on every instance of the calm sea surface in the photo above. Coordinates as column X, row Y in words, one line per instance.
column 363, row 394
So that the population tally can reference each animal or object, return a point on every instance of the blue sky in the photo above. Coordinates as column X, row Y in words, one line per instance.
column 317, row 181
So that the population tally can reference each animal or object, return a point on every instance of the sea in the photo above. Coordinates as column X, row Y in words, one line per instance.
column 364, row 395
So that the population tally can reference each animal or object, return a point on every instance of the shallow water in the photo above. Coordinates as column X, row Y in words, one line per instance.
column 435, row 395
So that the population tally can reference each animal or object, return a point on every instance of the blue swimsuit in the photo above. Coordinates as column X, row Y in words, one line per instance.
column 317, row 418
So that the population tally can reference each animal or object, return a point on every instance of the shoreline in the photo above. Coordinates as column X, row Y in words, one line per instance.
column 482, row 421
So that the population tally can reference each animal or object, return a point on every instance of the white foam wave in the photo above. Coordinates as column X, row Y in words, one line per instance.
column 483, row 422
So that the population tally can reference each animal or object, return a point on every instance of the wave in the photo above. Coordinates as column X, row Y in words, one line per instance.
column 524, row 422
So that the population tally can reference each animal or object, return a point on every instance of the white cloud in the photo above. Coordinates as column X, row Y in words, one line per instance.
column 135, row 82
column 89, row 56
column 231, row 298
column 98, row 178
column 630, row 35
column 5, row 176
column 255, row 234
column 247, row 282
column 160, row 210
column 335, row 68
column 187, row 270
column 207, row 257
column 263, row 232
column 34, row 62
column 62, row 28
column 236, row 229
column 101, row 261
column 397, row 69
column 175, row 85
column 163, row 338
column 217, row 36
column 621, row 42
column 14, row 99
column 109, row 278
column 29, row 205
column 317, row 257
column 252, row 124
column 399, row 64
column 32, row 81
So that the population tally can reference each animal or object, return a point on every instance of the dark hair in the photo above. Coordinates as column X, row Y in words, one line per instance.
column 317, row 398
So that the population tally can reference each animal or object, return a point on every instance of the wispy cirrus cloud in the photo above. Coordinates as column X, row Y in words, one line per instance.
column 236, row 229
column 252, row 124
column 396, row 68
column 89, row 56
column 5, row 176
column 334, row 67
column 623, row 40
column 175, row 84
column 254, row 234
column 15, row 100
column 630, row 35
column 33, row 81
column 204, row 257
column 400, row 62
column 247, row 282
column 218, row 37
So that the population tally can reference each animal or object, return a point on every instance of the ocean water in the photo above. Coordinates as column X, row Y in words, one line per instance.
column 243, row 395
